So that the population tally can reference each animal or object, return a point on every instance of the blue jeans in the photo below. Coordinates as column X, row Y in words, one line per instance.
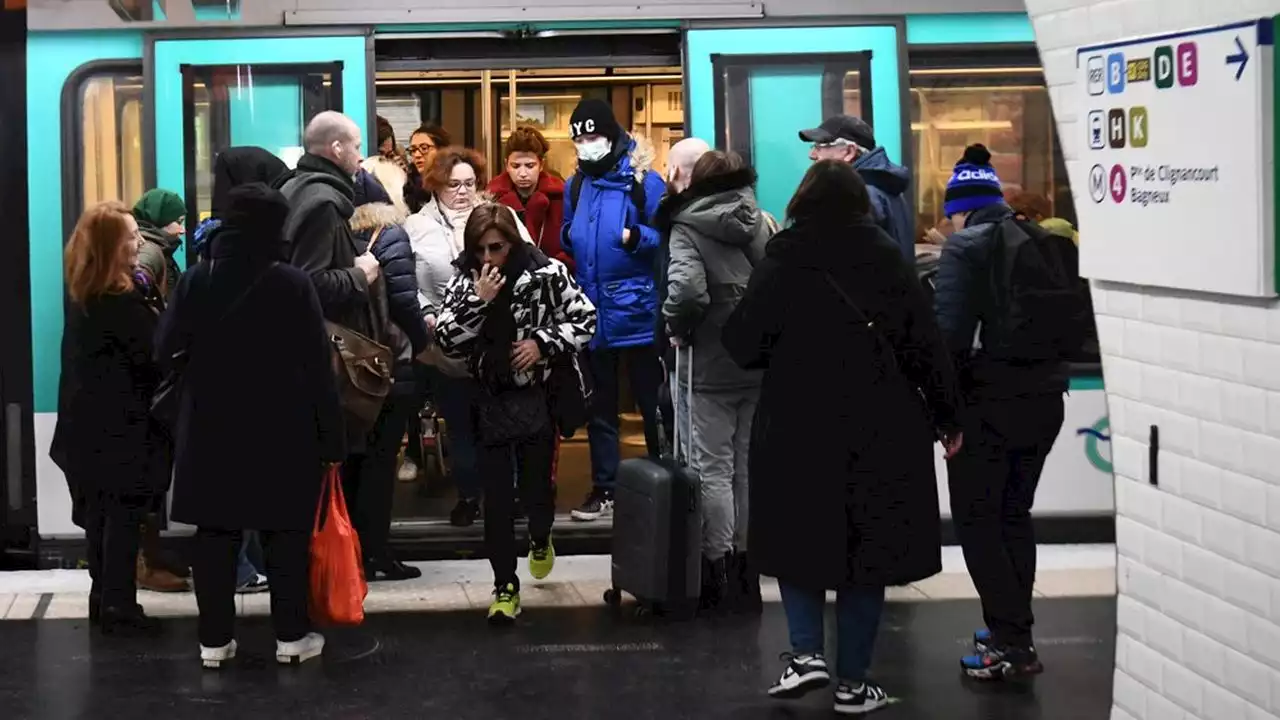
column 455, row 398
column 644, row 366
column 857, row 621
column 245, row 569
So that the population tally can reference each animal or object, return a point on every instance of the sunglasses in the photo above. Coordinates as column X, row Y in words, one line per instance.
column 492, row 248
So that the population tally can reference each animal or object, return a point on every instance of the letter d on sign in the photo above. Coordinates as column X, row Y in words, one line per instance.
column 1164, row 67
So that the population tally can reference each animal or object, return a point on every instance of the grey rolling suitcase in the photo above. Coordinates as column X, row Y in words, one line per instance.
column 657, row 523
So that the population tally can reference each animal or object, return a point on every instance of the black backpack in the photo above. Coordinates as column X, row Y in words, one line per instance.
column 1043, row 309
column 637, row 196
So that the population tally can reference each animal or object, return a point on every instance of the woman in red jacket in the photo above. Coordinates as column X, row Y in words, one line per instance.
column 536, row 195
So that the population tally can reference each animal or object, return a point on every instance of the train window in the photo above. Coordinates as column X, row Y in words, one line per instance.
column 103, row 134
column 997, row 98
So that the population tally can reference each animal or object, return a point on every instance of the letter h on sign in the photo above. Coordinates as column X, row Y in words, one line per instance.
column 1116, row 127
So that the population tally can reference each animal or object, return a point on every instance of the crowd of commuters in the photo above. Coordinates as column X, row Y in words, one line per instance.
column 838, row 338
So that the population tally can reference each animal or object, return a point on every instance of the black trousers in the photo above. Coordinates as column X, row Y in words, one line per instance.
column 287, row 561
column 993, row 482
column 113, row 530
column 531, row 460
column 369, row 479
column 644, row 367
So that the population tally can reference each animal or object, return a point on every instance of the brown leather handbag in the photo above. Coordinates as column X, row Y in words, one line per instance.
column 362, row 366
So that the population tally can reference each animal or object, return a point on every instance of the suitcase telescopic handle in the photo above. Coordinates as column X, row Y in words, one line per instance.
column 688, row 406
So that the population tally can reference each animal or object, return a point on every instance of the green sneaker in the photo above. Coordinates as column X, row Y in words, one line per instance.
column 505, row 607
column 541, row 559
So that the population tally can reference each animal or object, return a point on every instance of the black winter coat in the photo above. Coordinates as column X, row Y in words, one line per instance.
column 321, row 243
column 399, row 283
column 841, row 462
column 105, row 439
column 964, row 302
column 259, row 412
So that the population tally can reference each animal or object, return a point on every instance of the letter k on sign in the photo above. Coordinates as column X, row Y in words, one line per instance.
column 1138, row 127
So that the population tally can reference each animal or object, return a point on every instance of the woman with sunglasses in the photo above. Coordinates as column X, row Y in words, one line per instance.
column 436, row 235
column 508, row 311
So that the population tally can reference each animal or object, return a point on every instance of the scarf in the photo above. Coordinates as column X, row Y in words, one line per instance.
column 492, row 354
column 456, row 221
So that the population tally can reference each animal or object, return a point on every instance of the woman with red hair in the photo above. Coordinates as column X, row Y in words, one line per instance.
column 536, row 195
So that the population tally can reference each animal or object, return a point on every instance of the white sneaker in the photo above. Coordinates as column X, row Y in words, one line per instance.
column 802, row 674
column 214, row 657
column 299, row 651
column 863, row 699
column 408, row 471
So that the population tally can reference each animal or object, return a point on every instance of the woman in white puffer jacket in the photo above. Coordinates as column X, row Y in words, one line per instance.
column 435, row 232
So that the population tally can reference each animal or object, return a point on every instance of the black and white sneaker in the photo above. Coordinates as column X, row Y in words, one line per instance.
column 597, row 505
column 803, row 674
column 864, row 698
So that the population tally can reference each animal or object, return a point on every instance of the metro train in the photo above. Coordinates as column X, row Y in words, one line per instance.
column 124, row 96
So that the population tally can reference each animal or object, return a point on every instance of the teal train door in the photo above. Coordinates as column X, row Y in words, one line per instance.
column 752, row 90
column 216, row 94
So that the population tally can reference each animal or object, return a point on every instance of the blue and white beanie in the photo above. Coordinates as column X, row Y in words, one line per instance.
column 973, row 184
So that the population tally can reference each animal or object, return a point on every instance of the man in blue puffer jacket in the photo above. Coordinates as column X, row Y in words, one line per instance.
column 369, row 478
column 849, row 139
column 608, row 230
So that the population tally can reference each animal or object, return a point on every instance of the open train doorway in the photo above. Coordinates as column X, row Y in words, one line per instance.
column 477, row 87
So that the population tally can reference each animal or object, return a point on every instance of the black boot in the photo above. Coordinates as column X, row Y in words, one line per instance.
column 715, row 585
column 127, row 622
column 747, row 584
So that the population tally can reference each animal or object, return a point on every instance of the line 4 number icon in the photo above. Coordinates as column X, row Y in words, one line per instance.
column 1119, row 183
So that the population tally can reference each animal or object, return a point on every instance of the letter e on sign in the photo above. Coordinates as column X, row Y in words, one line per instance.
column 1188, row 64
column 1138, row 127
column 1164, row 67
column 1097, row 75
column 1116, row 128
column 1117, row 72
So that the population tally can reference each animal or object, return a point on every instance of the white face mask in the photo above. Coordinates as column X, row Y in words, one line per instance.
column 594, row 150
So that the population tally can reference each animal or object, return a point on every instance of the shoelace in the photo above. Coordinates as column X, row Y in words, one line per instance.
column 540, row 554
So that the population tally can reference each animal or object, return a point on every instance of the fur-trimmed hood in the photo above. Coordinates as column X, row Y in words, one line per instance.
column 374, row 215
column 643, row 155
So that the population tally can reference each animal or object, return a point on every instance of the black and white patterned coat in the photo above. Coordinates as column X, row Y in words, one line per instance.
column 548, row 307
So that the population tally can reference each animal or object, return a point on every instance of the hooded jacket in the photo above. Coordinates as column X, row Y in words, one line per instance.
column 319, row 241
column 618, row 279
column 887, row 184
column 717, row 236
column 542, row 212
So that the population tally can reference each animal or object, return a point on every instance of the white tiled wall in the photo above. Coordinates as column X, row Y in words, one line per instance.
column 1199, row 567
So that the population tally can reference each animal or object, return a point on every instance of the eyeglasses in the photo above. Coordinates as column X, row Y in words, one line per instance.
column 421, row 149
column 456, row 185
column 838, row 142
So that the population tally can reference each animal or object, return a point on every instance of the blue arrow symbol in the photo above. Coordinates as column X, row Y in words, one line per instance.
column 1241, row 57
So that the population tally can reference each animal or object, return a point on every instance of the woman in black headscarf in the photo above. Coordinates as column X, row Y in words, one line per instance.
column 232, row 168
column 258, row 419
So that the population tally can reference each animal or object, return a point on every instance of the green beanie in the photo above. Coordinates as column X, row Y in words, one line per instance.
column 159, row 208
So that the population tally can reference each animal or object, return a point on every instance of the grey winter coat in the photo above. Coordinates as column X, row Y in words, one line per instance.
column 717, row 235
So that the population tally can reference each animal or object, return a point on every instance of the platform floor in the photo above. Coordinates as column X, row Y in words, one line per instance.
column 557, row 663
column 578, row 581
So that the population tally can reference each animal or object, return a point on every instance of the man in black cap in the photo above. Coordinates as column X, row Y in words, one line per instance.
column 609, row 207
column 849, row 139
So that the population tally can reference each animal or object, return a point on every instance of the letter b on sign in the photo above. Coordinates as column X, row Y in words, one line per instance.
column 1164, row 67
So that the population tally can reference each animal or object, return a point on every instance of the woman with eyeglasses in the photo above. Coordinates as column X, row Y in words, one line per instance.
column 424, row 144
column 436, row 234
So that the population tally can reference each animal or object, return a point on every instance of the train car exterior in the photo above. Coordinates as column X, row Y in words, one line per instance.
column 119, row 100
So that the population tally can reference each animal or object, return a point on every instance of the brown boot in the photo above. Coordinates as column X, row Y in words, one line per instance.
column 157, row 580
